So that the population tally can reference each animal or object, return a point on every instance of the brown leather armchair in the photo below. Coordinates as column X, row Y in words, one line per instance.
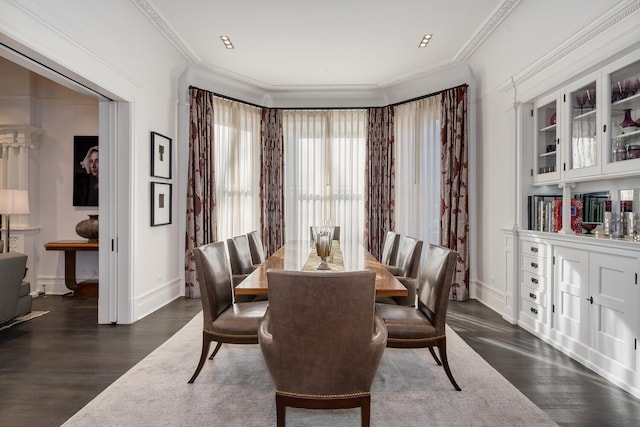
column 224, row 321
column 406, row 269
column 424, row 326
column 322, row 340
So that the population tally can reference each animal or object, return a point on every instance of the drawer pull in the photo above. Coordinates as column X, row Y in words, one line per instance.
column 534, row 310
column 532, row 295
column 534, row 264
column 534, row 280
column 534, row 249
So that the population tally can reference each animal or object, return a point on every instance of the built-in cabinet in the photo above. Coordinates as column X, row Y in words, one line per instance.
column 576, row 291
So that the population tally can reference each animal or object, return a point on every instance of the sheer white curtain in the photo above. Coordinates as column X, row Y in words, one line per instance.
column 324, row 171
column 417, row 133
column 237, row 167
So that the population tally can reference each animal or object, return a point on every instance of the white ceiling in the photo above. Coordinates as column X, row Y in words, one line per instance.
column 297, row 44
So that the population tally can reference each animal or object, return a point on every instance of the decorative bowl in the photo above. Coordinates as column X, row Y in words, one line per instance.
column 629, row 129
column 589, row 226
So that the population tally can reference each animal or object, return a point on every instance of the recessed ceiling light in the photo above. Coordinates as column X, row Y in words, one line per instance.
column 227, row 42
column 425, row 40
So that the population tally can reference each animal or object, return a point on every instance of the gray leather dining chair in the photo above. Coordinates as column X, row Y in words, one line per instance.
column 390, row 248
column 322, row 340
column 256, row 247
column 241, row 263
column 425, row 325
column 224, row 320
column 406, row 269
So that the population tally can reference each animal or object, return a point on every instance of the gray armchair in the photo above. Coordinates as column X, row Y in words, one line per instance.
column 406, row 269
column 15, row 298
column 241, row 263
column 224, row 320
column 424, row 326
column 322, row 340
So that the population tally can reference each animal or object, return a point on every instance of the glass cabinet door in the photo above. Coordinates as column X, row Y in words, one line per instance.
column 623, row 149
column 546, row 153
column 583, row 148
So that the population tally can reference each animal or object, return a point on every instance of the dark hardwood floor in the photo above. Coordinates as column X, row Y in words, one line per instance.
column 51, row 366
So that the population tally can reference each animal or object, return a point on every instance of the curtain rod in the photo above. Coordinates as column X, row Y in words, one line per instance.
column 230, row 98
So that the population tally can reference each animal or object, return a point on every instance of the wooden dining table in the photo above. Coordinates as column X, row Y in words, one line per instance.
column 300, row 255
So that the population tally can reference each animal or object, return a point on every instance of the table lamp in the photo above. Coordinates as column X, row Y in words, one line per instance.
column 13, row 202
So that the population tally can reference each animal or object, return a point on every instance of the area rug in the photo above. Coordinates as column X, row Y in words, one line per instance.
column 23, row 318
column 235, row 389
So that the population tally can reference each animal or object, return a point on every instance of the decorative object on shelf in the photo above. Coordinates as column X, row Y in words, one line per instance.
column 633, row 151
column 628, row 124
column 553, row 119
column 619, row 151
column 160, row 156
column 634, row 85
column 589, row 226
column 13, row 202
column 324, row 240
column 88, row 228
column 160, row 203
column 581, row 100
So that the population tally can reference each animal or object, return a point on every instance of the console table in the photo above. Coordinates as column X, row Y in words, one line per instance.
column 88, row 288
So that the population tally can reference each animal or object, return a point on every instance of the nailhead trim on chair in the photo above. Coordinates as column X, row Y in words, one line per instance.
column 325, row 396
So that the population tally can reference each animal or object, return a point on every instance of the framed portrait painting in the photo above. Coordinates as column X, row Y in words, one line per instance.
column 85, row 170
column 160, row 203
column 160, row 156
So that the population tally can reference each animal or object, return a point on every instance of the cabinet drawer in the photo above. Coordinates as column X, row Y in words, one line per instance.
column 534, row 310
column 530, row 247
column 534, row 281
column 535, row 265
column 535, row 296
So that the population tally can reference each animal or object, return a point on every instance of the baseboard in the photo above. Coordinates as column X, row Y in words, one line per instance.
column 157, row 298
column 488, row 296
column 51, row 285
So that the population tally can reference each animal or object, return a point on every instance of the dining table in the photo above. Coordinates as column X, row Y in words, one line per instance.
column 300, row 255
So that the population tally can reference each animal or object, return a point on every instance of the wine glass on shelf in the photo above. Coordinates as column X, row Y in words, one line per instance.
column 581, row 99
column 591, row 98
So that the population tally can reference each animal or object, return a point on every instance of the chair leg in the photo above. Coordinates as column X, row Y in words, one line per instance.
column 435, row 357
column 215, row 351
column 442, row 348
column 281, row 409
column 203, row 356
column 365, row 411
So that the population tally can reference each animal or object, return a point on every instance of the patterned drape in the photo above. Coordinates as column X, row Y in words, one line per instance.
column 201, row 201
column 379, row 179
column 272, row 180
column 454, row 207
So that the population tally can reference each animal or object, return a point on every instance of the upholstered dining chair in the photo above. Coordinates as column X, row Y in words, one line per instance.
column 322, row 340
column 241, row 263
column 424, row 326
column 256, row 247
column 336, row 233
column 390, row 248
column 224, row 320
column 406, row 269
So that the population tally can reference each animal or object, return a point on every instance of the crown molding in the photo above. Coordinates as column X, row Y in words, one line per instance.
column 158, row 20
column 485, row 31
column 598, row 27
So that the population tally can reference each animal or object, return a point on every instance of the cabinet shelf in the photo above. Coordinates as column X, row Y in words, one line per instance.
column 550, row 153
column 628, row 102
column 591, row 114
column 548, row 129
column 626, row 135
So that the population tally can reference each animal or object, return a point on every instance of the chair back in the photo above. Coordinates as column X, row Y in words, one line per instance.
column 433, row 296
column 256, row 247
column 322, row 323
column 240, row 255
column 12, row 271
column 390, row 248
column 214, row 278
column 409, row 249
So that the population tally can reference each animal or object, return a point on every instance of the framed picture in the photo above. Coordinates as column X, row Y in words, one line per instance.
column 85, row 170
column 160, row 203
column 160, row 156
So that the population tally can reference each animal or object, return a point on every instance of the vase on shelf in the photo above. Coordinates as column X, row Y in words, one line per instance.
column 88, row 228
column 628, row 122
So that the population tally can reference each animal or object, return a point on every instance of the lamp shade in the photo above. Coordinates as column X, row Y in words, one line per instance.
column 14, row 202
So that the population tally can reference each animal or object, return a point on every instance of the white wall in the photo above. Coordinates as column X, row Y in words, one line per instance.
column 112, row 47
